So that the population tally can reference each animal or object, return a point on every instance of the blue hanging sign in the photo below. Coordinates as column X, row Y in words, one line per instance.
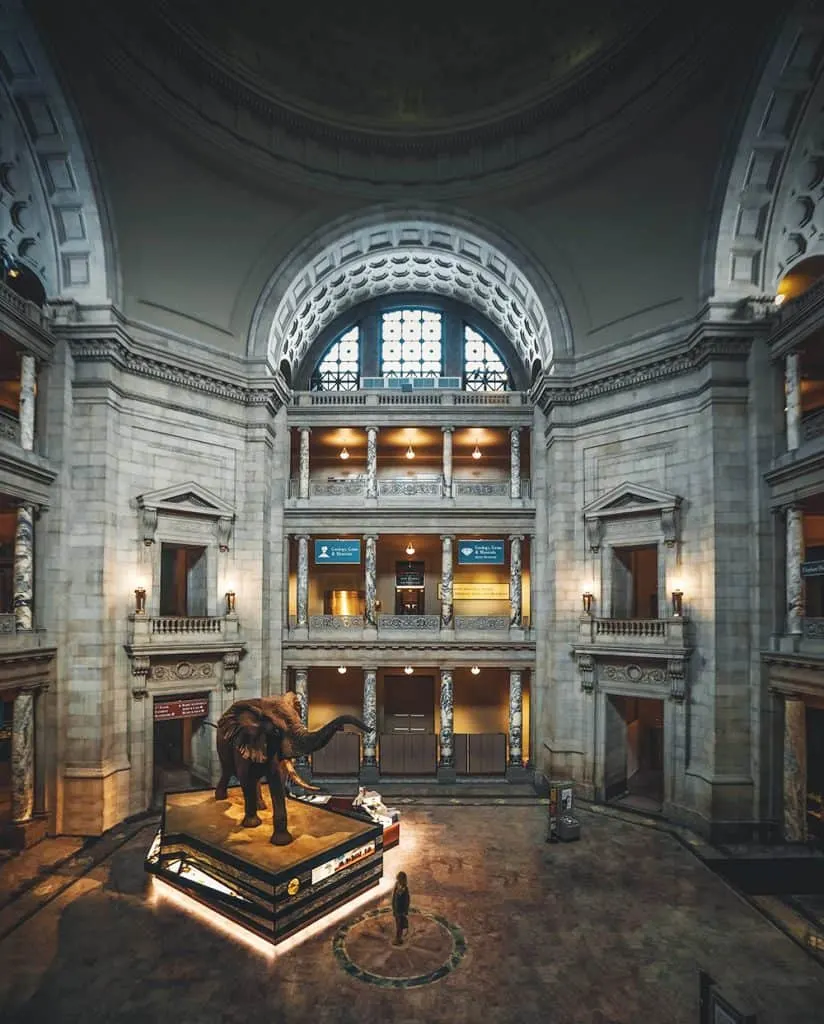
column 337, row 551
column 480, row 552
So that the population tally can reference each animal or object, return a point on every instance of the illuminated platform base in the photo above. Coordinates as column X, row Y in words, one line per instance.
column 202, row 850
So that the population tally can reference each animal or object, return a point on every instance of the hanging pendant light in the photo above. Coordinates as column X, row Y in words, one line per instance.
column 344, row 453
column 410, row 452
column 477, row 453
column 410, row 548
column 342, row 669
column 475, row 670
column 409, row 670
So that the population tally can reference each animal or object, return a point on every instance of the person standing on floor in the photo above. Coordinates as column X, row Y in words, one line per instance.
column 400, row 908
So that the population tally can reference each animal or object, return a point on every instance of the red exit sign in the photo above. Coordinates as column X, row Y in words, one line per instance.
column 186, row 707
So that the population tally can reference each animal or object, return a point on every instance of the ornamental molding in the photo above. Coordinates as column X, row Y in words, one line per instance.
column 629, row 500
column 649, row 674
column 274, row 393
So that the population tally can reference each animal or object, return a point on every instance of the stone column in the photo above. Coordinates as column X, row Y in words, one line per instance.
column 795, row 556
column 371, row 462
column 447, row 461
column 371, row 581
column 792, row 399
column 369, row 761
column 302, row 619
column 447, row 741
column 515, row 582
column 22, row 757
column 302, row 693
column 514, row 462
column 303, row 468
column 447, row 610
column 24, row 567
column 795, row 770
column 27, row 399
column 515, row 719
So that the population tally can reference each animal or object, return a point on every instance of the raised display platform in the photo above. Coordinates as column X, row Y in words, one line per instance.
column 274, row 891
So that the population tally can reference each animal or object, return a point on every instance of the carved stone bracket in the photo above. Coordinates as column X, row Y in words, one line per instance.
column 224, row 532
column 670, row 526
column 586, row 668
column 595, row 533
column 677, row 675
column 141, row 666
column 148, row 525
column 231, row 662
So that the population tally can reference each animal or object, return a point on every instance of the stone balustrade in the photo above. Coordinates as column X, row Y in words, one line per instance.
column 813, row 629
column 394, row 487
column 184, row 631
column 634, row 632
column 406, row 624
column 430, row 398
column 812, row 426
column 9, row 426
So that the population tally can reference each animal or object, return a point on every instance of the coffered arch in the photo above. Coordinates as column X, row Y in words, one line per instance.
column 425, row 254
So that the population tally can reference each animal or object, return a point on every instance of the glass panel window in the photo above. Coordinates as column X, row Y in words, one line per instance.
column 484, row 370
column 411, row 344
column 339, row 370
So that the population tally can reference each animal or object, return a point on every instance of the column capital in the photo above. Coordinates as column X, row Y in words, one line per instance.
column 374, row 429
column 447, row 430
column 516, row 536
column 304, row 430
column 300, row 536
column 370, row 536
column 447, row 536
column 515, row 429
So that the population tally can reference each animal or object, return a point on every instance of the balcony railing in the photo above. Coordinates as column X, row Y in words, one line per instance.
column 180, row 630
column 430, row 398
column 9, row 426
column 812, row 426
column 173, row 625
column 335, row 623
column 635, row 632
column 407, row 624
column 813, row 629
column 413, row 487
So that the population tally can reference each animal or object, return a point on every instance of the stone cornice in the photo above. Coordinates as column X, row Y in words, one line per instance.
column 117, row 352
column 710, row 342
column 371, row 653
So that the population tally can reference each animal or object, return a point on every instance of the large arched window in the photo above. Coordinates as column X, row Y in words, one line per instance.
column 484, row 370
column 411, row 343
column 339, row 370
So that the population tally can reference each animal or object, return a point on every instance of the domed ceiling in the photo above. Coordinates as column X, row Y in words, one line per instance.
column 389, row 69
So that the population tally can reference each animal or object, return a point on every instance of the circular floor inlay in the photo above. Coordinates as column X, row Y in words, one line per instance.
column 432, row 948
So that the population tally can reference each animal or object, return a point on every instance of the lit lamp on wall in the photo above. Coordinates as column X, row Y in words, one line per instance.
column 677, row 601
column 342, row 670
column 586, row 598
column 475, row 670
column 409, row 670
column 140, row 601
column 230, row 602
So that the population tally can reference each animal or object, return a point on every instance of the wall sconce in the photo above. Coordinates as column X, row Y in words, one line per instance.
column 140, row 600
column 475, row 670
column 409, row 670
column 410, row 548
column 344, row 453
column 342, row 670
column 586, row 598
column 230, row 602
column 677, row 603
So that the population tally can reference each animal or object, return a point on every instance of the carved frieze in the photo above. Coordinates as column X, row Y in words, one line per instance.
column 184, row 670
column 630, row 673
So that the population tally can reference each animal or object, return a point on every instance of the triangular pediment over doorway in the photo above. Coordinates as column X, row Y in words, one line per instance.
column 187, row 499
column 630, row 499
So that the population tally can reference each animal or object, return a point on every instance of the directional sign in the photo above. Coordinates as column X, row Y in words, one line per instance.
column 480, row 552
column 337, row 551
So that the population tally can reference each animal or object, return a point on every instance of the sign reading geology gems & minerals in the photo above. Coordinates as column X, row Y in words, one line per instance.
column 337, row 551
column 480, row 552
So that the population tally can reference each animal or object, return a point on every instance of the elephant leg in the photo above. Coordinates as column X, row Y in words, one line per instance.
column 249, row 785
column 224, row 753
column 280, row 836
column 261, row 803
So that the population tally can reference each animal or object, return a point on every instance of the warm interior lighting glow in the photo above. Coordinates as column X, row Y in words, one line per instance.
column 410, row 452
column 140, row 600
column 410, row 548
column 14, row 272
column 409, row 670
column 475, row 670
column 230, row 602
column 477, row 453
column 677, row 602
column 342, row 669
column 779, row 299
column 344, row 454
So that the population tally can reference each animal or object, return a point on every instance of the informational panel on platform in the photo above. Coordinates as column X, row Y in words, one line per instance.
column 480, row 552
column 338, row 551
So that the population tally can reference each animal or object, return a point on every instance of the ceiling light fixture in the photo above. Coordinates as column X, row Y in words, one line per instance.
column 475, row 670
column 779, row 299
column 344, row 453
column 477, row 453
column 342, row 669
column 409, row 670
column 410, row 452
column 410, row 548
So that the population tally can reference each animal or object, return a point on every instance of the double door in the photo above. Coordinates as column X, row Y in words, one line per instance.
column 408, row 744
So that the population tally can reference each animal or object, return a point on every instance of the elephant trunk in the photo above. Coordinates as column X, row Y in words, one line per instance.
column 305, row 743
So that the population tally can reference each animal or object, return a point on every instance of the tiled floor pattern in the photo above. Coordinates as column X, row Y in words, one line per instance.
column 613, row 928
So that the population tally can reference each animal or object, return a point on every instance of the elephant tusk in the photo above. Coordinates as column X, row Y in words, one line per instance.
column 293, row 777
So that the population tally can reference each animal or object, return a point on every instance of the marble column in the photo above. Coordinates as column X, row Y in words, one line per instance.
column 446, row 584
column 447, row 741
column 792, row 399
column 371, row 580
column 795, row 770
column 303, row 466
column 302, row 693
column 447, row 461
column 24, row 567
column 22, row 757
column 514, row 462
column 303, row 581
column 515, row 719
column 515, row 582
column 795, row 556
column 27, row 385
column 370, row 717
column 371, row 462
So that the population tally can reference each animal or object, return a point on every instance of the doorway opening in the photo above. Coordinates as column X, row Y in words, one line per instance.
column 635, row 582
column 634, row 752
column 408, row 745
column 183, row 580
column 182, row 744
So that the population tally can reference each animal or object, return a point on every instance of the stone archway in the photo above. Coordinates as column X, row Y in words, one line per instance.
column 391, row 254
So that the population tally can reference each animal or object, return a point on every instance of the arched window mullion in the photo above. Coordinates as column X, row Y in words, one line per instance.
column 483, row 367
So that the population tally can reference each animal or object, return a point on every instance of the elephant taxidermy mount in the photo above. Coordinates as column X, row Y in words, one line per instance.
column 257, row 739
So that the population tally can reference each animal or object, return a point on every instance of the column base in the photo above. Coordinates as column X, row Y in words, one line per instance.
column 518, row 773
column 447, row 776
column 790, row 643
column 20, row 835
column 368, row 775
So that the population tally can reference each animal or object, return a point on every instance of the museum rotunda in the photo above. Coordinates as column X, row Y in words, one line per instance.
column 459, row 379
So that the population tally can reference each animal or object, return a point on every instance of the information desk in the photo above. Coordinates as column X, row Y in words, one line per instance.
column 274, row 891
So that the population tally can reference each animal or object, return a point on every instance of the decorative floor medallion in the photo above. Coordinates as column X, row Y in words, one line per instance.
column 432, row 948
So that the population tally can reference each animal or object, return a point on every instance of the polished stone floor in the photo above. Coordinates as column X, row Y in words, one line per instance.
column 613, row 928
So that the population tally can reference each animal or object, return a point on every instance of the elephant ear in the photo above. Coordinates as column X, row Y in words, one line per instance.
column 249, row 731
